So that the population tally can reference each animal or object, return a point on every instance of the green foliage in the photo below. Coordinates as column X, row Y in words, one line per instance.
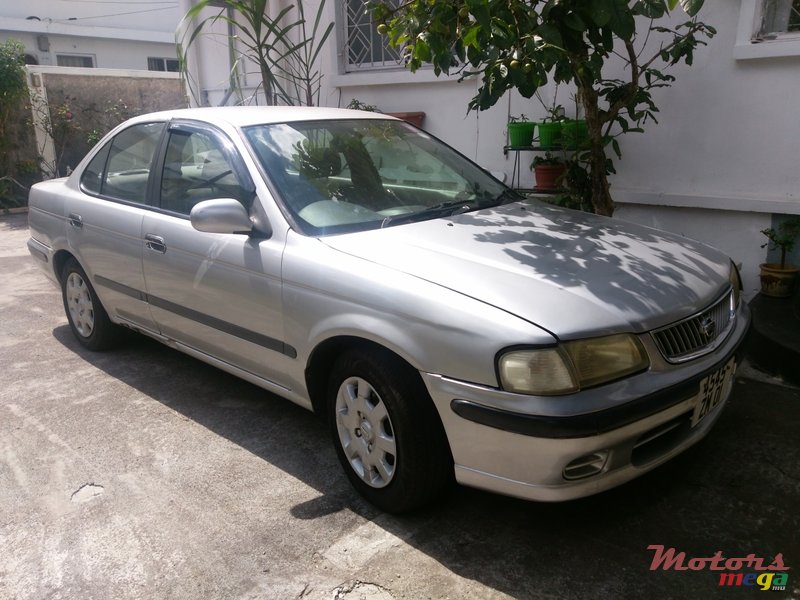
column 356, row 104
column 783, row 237
column 546, row 159
column 288, row 69
column 526, row 44
column 13, row 97
column 12, row 73
column 74, row 127
column 299, row 70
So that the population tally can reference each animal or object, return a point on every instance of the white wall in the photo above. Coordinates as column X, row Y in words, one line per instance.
column 728, row 137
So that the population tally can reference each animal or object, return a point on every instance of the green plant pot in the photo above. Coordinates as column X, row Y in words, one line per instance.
column 574, row 134
column 520, row 135
column 549, row 134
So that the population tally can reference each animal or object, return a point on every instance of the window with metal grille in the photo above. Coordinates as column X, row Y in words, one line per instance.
column 364, row 47
column 779, row 17
column 162, row 64
column 74, row 60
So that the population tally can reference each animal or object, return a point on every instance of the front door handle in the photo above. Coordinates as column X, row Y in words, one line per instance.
column 75, row 220
column 155, row 243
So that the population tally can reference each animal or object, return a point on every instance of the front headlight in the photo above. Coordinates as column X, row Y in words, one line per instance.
column 736, row 284
column 571, row 366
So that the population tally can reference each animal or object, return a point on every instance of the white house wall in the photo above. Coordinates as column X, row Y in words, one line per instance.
column 116, row 35
column 107, row 54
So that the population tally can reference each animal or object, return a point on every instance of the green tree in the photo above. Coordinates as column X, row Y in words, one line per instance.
column 13, row 94
column 524, row 44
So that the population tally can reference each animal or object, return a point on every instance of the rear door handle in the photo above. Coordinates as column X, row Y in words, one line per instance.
column 155, row 243
column 75, row 220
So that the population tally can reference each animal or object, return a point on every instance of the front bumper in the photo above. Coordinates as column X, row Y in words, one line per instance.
column 534, row 448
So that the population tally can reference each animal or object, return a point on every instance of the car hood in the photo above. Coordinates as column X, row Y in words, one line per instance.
column 573, row 274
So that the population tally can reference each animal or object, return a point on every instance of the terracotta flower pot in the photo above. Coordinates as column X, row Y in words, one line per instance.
column 548, row 176
column 415, row 118
column 776, row 281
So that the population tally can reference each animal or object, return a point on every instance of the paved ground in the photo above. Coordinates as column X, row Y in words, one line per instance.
column 145, row 474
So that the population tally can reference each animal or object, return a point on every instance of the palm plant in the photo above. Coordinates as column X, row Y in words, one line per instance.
column 287, row 67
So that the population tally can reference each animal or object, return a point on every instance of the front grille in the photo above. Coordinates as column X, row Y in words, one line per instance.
column 696, row 335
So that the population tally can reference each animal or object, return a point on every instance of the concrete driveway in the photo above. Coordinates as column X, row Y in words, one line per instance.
column 142, row 473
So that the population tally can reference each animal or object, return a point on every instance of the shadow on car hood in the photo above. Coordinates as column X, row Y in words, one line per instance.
column 572, row 273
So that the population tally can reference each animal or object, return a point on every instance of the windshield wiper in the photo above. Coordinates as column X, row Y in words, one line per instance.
column 507, row 196
column 443, row 209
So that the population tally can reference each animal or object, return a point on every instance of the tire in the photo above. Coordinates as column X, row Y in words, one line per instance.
column 87, row 318
column 387, row 433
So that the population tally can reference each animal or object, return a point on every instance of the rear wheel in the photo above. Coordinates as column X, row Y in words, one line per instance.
column 87, row 317
column 387, row 433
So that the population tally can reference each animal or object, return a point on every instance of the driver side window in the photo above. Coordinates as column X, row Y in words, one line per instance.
column 196, row 169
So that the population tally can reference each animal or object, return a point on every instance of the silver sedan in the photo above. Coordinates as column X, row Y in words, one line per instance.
column 444, row 326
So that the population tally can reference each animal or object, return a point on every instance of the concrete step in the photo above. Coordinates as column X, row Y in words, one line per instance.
column 774, row 342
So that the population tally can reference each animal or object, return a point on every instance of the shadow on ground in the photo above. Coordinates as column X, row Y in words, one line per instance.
column 737, row 491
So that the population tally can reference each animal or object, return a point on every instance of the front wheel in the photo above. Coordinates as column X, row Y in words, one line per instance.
column 387, row 433
column 87, row 317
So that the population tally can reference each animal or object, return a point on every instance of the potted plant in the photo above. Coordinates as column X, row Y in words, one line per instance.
column 415, row 117
column 574, row 133
column 549, row 171
column 777, row 279
column 520, row 131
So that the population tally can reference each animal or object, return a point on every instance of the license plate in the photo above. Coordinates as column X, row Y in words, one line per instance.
column 713, row 389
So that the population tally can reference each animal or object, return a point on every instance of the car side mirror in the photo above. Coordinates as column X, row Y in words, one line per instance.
column 223, row 215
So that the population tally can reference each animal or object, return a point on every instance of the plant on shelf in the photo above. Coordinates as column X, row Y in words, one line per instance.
column 549, row 172
column 574, row 134
column 777, row 279
column 520, row 131
column 550, row 127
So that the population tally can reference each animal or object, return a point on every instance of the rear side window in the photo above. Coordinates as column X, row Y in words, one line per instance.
column 122, row 167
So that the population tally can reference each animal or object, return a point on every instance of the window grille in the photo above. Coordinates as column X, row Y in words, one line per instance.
column 74, row 60
column 162, row 64
column 364, row 47
column 779, row 16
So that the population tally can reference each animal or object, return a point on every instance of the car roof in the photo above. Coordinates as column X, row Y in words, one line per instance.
column 242, row 116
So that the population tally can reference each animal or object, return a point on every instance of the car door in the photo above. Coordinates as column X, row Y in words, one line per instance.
column 105, row 221
column 219, row 294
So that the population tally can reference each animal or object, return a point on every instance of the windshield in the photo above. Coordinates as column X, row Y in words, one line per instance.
column 351, row 175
